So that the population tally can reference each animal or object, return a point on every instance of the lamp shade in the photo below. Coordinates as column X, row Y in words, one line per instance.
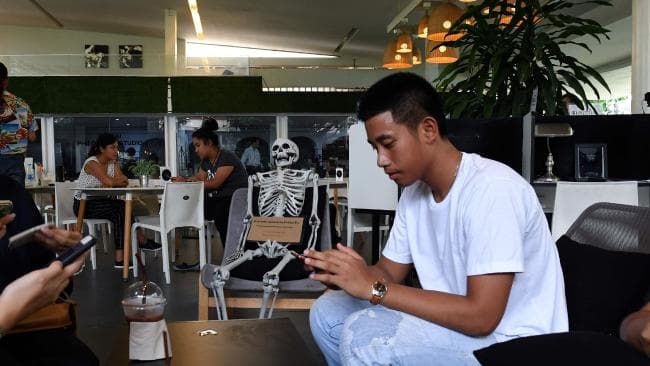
column 423, row 26
column 394, row 60
column 417, row 56
column 561, row 129
column 404, row 43
column 442, row 55
column 441, row 19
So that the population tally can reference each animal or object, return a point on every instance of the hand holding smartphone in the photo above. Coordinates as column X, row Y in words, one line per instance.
column 6, row 206
column 75, row 252
column 26, row 236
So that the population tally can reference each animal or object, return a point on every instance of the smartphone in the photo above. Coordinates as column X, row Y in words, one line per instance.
column 71, row 254
column 6, row 206
column 297, row 255
column 26, row 236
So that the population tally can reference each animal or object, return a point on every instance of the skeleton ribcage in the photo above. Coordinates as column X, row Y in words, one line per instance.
column 282, row 192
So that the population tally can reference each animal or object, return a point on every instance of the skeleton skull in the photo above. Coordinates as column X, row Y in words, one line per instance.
column 284, row 152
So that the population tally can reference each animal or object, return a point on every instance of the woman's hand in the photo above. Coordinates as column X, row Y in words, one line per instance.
column 34, row 290
column 57, row 240
column 6, row 219
column 341, row 267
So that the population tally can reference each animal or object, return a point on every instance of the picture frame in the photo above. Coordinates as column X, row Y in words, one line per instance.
column 591, row 162
column 130, row 56
column 96, row 56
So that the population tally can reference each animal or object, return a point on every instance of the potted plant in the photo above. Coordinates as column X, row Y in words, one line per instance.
column 144, row 169
column 512, row 48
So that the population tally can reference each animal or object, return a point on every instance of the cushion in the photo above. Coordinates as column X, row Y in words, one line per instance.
column 558, row 349
column 602, row 286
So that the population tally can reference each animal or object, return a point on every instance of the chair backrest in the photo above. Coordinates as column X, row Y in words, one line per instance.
column 182, row 205
column 238, row 207
column 572, row 198
column 613, row 226
column 63, row 202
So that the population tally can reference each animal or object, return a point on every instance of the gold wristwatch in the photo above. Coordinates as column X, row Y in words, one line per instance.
column 378, row 291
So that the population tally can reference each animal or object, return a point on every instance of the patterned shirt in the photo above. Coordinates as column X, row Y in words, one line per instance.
column 16, row 122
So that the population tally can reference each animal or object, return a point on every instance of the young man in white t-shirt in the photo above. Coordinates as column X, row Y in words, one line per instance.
column 471, row 227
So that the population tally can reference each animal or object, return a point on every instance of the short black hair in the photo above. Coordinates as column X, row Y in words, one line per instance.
column 408, row 97
column 130, row 151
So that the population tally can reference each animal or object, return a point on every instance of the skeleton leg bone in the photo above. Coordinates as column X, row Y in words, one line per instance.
column 270, row 284
column 221, row 275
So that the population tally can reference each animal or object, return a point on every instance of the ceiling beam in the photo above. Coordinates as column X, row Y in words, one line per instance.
column 404, row 13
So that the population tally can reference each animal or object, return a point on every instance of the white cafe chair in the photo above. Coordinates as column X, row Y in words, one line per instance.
column 182, row 206
column 64, row 214
column 572, row 198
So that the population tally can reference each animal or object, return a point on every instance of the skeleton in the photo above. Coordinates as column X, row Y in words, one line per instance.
column 281, row 191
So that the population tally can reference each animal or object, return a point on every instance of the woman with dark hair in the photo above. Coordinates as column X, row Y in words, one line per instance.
column 220, row 170
column 102, row 169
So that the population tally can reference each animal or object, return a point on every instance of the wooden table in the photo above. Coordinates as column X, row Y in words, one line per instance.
column 128, row 193
column 238, row 342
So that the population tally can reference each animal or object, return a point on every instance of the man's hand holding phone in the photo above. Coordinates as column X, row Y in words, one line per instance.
column 338, row 268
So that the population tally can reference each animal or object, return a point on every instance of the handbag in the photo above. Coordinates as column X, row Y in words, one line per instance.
column 60, row 314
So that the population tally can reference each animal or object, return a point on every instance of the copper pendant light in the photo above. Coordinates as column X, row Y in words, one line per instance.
column 442, row 55
column 417, row 56
column 395, row 60
column 441, row 19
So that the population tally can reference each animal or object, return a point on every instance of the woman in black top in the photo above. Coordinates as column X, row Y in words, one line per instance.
column 222, row 173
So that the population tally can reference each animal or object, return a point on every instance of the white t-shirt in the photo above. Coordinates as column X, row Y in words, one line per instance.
column 489, row 222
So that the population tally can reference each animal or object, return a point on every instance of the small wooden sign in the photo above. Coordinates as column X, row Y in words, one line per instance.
column 280, row 229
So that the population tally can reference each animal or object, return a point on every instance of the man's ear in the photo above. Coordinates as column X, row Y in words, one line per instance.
column 5, row 84
column 429, row 129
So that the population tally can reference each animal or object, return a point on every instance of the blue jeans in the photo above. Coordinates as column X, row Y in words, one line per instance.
column 350, row 331
column 13, row 166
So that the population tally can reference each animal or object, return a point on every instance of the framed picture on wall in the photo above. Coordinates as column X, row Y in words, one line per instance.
column 591, row 162
column 96, row 56
column 130, row 56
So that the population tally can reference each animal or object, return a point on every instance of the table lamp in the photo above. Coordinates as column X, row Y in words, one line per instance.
column 550, row 130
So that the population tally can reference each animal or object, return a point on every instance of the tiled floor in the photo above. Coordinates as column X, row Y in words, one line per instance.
column 99, row 293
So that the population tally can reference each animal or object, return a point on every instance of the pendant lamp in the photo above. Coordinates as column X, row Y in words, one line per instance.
column 441, row 19
column 404, row 43
column 423, row 26
column 417, row 56
column 442, row 55
column 395, row 60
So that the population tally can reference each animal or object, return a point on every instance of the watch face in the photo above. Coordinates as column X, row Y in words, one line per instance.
column 378, row 289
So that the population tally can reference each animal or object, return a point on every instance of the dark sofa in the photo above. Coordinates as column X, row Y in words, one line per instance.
column 605, row 258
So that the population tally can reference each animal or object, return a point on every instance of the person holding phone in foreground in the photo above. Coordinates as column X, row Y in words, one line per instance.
column 30, row 279
column 471, row 227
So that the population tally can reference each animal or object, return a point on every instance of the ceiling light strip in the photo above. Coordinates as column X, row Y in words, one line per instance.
column 196, row 18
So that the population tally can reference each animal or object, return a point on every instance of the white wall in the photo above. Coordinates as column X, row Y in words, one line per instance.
column 32, row 51
column 29, row 51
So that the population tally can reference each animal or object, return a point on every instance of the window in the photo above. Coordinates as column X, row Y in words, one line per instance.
column 235, row 134
column 323, row 142
column 139, row 138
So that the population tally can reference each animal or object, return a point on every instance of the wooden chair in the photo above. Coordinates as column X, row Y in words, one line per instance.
column 292, row 295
